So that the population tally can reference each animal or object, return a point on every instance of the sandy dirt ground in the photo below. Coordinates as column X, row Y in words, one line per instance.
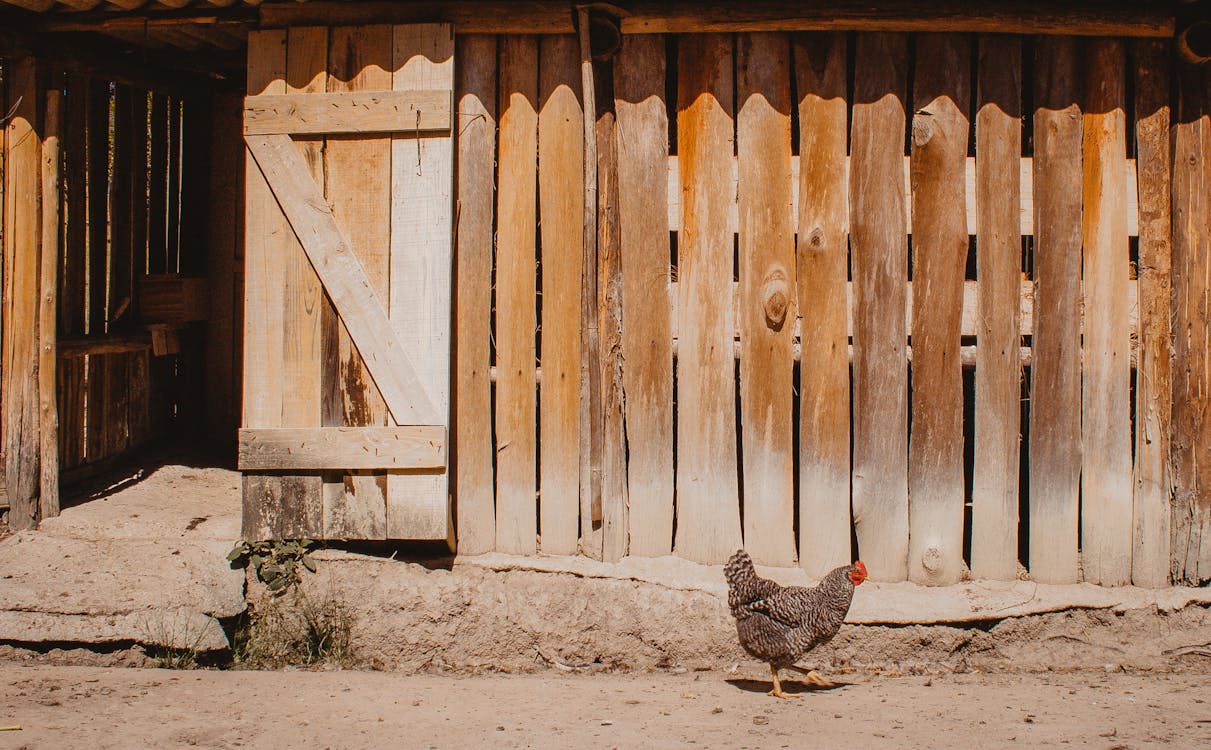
column 65, row 707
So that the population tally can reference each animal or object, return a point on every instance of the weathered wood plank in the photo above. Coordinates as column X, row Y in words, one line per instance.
column 879, row 243
column 422, row 250
column 515, row 296
column 767, row 297
column 358, row 187
column 708, row 513
column 23, row 229
column 561, row 205
column 615, row 505
column 314, row 448
column 647, row 339
column 994, row 513
column 822, row 268
column 416, row 111
column 1191, row 196
column 1055, row 399
column 941, row 98
column 1106, row 400
column 266, row 231
column 1150, row 530
column 303, row 301
column 48, row 288
column 475, row 92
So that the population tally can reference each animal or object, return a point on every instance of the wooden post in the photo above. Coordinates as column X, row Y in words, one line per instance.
column 879, row 243
column 822, row 270
column 1055, row 397
column 994, row 512
column 1191, row 522
column 936, row 490
column 647, row 336
column 475, row 94
column 23, row 230
column 1154, row 377
column 52, row 226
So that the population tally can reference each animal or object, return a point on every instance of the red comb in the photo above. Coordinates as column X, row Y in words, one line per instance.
column 861, row 567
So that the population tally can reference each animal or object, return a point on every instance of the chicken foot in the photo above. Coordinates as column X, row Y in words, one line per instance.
column 813, row 676
column 777, row 691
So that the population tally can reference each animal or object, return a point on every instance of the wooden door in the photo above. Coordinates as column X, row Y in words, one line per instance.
column 349, row 226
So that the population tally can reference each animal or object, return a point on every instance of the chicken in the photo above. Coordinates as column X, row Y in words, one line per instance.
column 779, row 624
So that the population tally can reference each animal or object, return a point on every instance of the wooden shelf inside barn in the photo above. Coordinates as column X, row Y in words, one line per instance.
column 173, row 298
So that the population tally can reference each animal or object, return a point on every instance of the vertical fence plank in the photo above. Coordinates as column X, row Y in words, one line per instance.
column 994, row 513
column 1154, row 380
column 475, row 71
column 265, row 231
column 422, row 237
column 647, row 339
column 822, row 270
column 1106, row 405
column 708, row 513
column 515, row 290
column 303, row 301
column 561, row 205
column 767, row 299
column 22, row 230
column 75, row 151
column 941, row 97
column 1055, row 417
column 358, row 174
column 1191, row 534
column 878, row 238
column 48, row 287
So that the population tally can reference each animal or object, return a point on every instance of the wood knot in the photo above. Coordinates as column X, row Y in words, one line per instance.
column 775, row 296
column 932, row 560
column 922, row 128
column 815, row 240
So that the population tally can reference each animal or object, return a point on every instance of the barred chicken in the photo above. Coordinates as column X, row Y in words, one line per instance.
column 779, row 624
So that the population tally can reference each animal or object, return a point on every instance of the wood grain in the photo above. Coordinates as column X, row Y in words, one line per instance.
column 1191, row 196
column 48, row 287
column 561, row 206
column 822, row 269
column 708, row 513
column 647, row 339
column 314, row 448
column 266, row 231
column 941, row 100
column 516, row 441
column 422, row 261
column 475, row 93
column 358, row 187
column 1055, row 398
column 1106, row 399
column 1150, row 527
column 767, row 296
column 415, row 110
column 879, row 244
column 994, row 513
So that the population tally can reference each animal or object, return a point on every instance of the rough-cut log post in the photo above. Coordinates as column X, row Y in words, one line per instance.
column 1154, row 380
column 647, row 335
column 48, row 411
column 22, row 272
column 879, row 244
column 1191, row 326
column 475, row 92
column 1055, row 398
column 941, row 95
column 994, row 512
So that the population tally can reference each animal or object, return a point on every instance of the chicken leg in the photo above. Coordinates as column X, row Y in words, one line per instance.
column 813, row 676
column 777, row 691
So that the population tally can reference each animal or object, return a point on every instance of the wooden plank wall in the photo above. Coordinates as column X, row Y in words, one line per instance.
column 737, row 209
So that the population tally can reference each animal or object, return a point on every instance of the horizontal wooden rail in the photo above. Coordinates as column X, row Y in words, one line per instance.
column 68, row 348
column 349, row 448
column 1026, row 209
column 416, row 111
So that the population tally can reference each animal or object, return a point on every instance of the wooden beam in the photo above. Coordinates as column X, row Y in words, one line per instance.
column 346, row 448
column 418, row 111
column 343, row 278
column 48, row 411
column 683, row 16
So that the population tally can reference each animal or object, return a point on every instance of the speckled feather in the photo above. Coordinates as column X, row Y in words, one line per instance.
column 779, row 624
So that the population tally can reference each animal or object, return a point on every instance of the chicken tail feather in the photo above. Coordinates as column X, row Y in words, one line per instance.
column 743, row 584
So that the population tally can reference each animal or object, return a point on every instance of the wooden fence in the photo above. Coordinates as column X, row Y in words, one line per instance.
column 913, row 286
